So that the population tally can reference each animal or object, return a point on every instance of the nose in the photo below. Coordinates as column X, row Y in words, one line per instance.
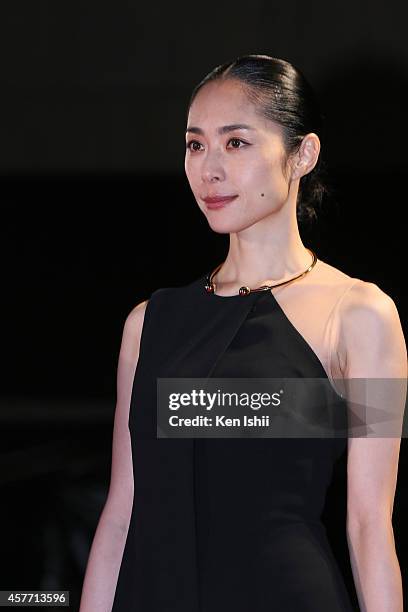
column 212, row 169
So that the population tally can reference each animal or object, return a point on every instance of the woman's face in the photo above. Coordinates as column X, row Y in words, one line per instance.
column 234, row 161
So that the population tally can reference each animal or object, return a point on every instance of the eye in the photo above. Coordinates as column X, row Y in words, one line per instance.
column 191, row 142
column 236, row 140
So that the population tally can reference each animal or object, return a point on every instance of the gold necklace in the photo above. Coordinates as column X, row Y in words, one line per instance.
column 210, row 284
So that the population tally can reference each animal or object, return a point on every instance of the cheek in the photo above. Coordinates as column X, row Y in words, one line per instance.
column 260, row 177
column 187, row 168
column 192, row 172
column 266, row 178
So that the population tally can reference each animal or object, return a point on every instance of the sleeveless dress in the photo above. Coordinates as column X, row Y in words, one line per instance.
column 232, row 523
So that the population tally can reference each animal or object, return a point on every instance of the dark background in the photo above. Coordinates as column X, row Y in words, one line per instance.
column 97, row 213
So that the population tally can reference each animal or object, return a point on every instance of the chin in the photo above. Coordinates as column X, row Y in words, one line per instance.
column 226, row 226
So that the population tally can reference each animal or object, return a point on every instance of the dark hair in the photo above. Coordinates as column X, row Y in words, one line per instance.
column 281, row 93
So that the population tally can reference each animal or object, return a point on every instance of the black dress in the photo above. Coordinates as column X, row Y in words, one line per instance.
column 225, row 524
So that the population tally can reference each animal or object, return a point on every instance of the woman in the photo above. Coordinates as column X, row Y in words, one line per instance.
column 234, row 524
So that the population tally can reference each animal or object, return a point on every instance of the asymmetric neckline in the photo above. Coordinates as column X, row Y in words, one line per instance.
column 251, row 299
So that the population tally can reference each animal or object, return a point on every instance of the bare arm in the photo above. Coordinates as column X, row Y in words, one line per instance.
column 106, row 553
column 374, row 349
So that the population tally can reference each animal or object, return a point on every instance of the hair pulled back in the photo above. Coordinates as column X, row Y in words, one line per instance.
column 281, row 93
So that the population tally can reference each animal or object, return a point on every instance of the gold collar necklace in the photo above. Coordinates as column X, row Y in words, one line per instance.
column 210, row 284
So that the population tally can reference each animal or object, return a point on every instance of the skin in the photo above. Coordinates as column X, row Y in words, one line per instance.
column 214, row 164
column 266, row 248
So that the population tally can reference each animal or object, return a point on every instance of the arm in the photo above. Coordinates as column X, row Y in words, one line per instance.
column 110, row 537
column 372, row 346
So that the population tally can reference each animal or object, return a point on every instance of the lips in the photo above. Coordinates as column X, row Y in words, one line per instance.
column 219, row 202
column 218, row 198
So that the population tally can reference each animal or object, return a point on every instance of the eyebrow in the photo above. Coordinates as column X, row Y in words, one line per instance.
column 222, row 130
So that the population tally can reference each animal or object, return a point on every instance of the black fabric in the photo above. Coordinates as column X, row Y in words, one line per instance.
column 225, row 524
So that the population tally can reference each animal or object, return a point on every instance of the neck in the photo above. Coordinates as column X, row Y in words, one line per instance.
column 264, row 255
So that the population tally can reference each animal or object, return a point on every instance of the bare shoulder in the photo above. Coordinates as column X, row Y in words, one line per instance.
column 370, row 340
column 367, row 305
column 330, row 275
column 371, row 337
column 360, row 297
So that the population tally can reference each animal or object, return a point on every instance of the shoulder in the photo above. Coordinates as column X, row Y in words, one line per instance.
column 132, row 331
column 371, row 332
column 359, row 297
column 330, row 275
column 134, row 319
column 367, row 307
column 162, row 300
column 370, row 340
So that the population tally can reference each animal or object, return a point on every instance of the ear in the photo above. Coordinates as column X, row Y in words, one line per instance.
column 307, row 156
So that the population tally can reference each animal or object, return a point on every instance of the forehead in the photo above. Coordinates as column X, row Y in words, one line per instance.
column 221, row 103
column 219, row 90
